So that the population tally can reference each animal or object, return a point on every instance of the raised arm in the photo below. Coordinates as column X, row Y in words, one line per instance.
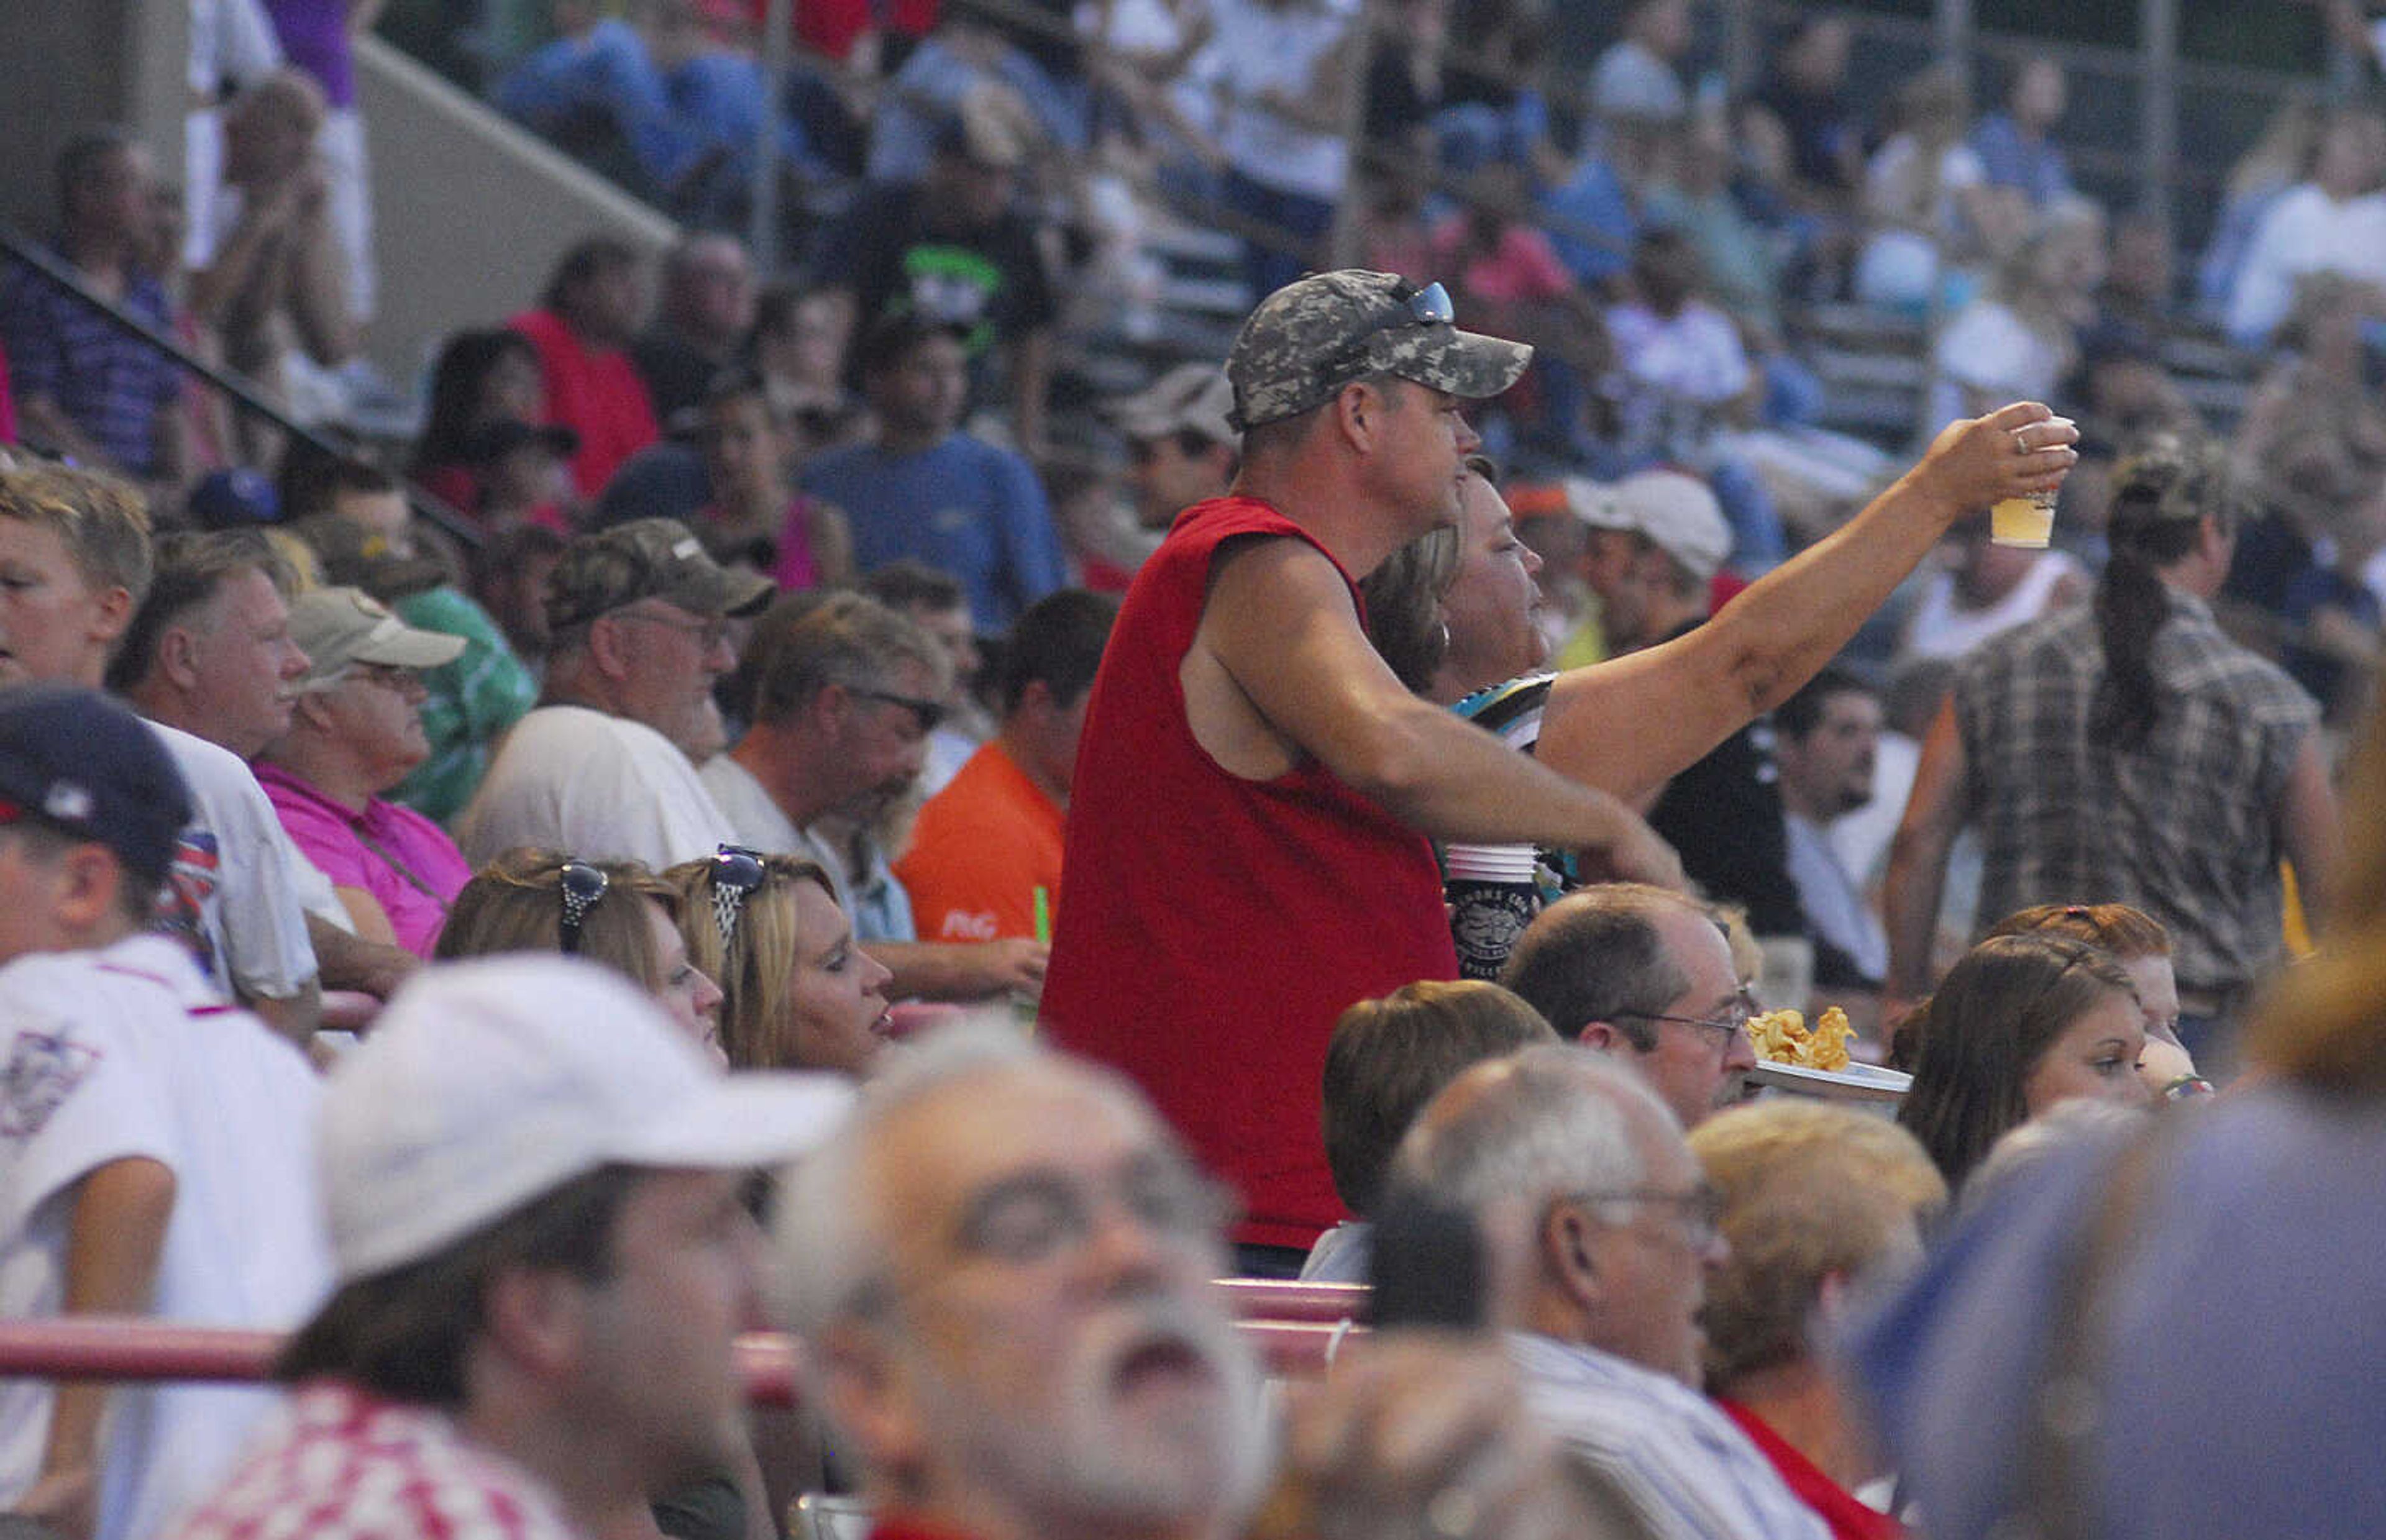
column 1281, row 639
column 1629, row 725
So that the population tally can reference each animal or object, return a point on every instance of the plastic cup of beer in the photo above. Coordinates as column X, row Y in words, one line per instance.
column 2027, row 521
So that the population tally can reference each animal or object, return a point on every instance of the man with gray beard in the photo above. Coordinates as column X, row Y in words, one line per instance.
column 1001, row 1265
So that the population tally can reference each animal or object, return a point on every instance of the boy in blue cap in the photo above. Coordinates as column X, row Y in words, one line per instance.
column 154, row 1143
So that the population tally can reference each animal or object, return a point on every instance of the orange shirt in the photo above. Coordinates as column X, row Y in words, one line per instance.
column 980, row 849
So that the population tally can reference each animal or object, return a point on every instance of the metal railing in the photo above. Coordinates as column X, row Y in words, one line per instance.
column 1296, row 1328
column 246, row 394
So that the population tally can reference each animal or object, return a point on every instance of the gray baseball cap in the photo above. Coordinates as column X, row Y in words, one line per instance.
column 1316, row 334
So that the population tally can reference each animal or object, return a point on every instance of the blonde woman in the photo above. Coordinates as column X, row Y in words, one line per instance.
column 797, row 991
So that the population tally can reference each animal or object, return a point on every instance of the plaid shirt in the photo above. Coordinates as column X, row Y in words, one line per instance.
column 344, row 1465
column 2185, row 828
column 108, row 382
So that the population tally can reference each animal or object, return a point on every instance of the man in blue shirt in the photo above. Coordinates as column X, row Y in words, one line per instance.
column 925, row 490
column 2017, row 146
column 83, row 387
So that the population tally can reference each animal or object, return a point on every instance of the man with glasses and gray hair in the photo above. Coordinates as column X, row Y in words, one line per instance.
column 1001, row 1267
column 640, row 620
column 1646, row 975
column 1597, row 1234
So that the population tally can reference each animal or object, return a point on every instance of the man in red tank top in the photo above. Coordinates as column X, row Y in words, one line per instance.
column 1249, row 831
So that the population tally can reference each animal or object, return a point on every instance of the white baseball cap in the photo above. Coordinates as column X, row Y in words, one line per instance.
column 488, row 1083
column 1674, row 510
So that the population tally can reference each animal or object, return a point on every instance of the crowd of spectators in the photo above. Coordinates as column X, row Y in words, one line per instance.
column 831, row 652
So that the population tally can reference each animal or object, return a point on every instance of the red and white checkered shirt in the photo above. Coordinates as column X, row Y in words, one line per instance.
column 341, row 1464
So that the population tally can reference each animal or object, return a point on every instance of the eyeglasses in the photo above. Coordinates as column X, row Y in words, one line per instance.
column 1038, row 1215
column 389, row 676
column 930, row 712
column 710, row 634
column 579, row 886
column 1732, row 1024
column 1699, row 1212
column 736, row 871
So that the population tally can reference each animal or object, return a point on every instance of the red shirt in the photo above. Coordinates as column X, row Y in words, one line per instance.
column 595, row 394
column 1215, row 926
column 1848, row 1518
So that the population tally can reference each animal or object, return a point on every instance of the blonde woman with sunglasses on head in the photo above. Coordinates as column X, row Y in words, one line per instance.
column 618, row 913
column 799, row 993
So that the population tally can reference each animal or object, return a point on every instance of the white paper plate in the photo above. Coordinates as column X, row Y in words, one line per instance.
column 1864, row 1083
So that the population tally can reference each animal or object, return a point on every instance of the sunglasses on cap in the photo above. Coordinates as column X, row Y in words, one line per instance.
column 1427, row 306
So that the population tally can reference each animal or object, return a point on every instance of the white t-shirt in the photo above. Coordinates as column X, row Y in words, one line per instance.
column 240, row 892
column 1833, row 898
column 1941, row 628
column 1257, row 48
column 2304, row 231
column 127, row 1051
column 758, row 821
column 594, row 786
column 1986, row 348
column 1693, row 355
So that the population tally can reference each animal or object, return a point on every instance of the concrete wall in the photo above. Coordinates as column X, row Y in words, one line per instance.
column 470, row 213
column 68, row 65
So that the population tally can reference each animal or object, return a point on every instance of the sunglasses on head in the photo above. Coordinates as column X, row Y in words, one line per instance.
column 735, row 872
column 579, row 886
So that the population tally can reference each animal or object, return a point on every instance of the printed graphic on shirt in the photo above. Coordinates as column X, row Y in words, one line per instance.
column 42, row 1072
column 190, row 887
column 954, row 286
column 969, row 925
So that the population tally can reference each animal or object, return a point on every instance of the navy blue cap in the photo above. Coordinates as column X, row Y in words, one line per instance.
column 233, row 499
column 74, row 759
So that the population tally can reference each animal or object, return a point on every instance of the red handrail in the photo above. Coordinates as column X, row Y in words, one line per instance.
column 135, row 1348
column 1271, row 1299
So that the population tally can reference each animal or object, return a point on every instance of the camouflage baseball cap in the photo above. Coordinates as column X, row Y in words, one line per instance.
column 645, row 558
column 1316, row 334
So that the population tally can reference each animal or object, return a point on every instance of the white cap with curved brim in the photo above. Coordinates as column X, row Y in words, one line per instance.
column 488, row 1084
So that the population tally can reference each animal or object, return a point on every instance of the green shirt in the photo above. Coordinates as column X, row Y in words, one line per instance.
column 472, row 701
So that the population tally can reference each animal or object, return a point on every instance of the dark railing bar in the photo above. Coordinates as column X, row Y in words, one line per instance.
column 243, row 390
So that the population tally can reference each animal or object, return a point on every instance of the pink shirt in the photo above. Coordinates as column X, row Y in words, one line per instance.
column 406, row 861
column 1524, row 266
